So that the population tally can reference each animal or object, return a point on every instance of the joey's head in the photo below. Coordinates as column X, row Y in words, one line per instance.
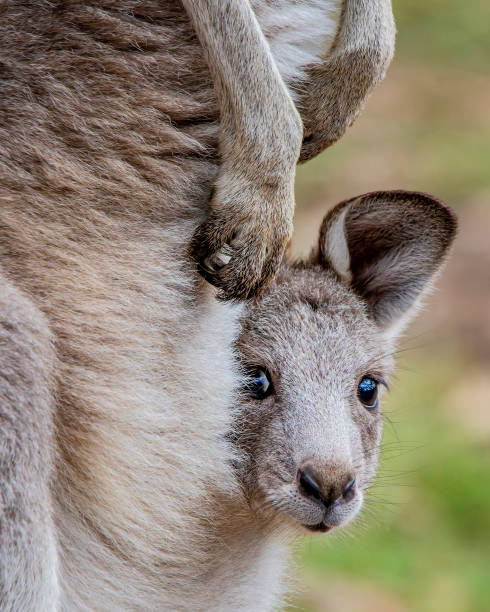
column 317, row 348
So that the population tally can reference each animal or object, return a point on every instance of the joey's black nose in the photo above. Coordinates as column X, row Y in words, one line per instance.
column 326, row 488
column 308, row 484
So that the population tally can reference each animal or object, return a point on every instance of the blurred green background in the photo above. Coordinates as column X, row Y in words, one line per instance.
column 423, row 541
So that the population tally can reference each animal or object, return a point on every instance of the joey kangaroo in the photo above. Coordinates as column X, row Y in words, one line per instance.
column 317, row 347
column 122, row 459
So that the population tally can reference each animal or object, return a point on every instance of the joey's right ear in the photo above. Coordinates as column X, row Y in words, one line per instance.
column 388, row 246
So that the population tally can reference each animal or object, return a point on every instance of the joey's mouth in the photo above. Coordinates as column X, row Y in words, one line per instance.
column 310, row 514
column 318, row 528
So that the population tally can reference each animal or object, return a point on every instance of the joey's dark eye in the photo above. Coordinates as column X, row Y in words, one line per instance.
column 259, row 385
column 367, row 392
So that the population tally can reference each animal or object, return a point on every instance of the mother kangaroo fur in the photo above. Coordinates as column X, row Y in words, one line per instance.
column 118, row 474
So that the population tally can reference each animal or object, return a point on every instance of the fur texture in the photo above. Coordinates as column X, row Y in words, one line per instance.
column 117, row 374
column 28, row 556
column 318, row 332
column 241, row 244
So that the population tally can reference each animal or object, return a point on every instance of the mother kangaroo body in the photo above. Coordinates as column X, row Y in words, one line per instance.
column 116, row 364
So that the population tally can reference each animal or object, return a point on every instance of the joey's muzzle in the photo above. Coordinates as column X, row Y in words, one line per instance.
column 332, row 491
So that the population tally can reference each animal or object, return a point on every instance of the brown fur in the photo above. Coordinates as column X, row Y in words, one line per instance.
column 109, row 132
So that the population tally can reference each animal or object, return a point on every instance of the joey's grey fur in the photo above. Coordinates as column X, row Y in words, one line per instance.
column 126, row 480
column 319, row 332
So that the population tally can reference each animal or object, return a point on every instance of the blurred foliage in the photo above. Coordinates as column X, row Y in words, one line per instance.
column 449, row 32
column 423, row 542
column 427, row 126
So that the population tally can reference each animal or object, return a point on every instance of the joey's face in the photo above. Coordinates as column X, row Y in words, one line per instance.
column 317, row 347
column 311, row 421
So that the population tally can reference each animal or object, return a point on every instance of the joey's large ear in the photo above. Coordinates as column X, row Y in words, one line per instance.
column 388, row 245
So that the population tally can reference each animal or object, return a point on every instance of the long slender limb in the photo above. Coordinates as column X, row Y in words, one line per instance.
column 28, row 580
column 335, row 91
column 261, row 133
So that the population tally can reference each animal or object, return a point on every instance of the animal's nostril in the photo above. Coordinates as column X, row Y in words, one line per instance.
column 309, row 485
column 349, row 490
